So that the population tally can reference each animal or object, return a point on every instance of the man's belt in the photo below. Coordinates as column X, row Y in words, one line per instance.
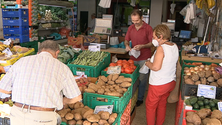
column 33, row 107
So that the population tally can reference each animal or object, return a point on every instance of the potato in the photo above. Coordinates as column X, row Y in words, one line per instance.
column 90, row 90
column 125, row 84
column 93, row 118
column 115, row 77
column 113, row 115
column 213, row 121
column 72, row 122
column 111, row 82
column 216, row 76
column 124, row 90
column 78, row 105
column 127, row 80
column 203, row 113
column 86, row 123
column 101, row 91
column 105, row 115
column 79, row 122
column 114, row 94
column 103, row 78
column 64, row 120
column 120, row 91
column 208, row 73
column 94, row 86
column 189, row 81
column 69, row 116
column 111, row 120
column 204, row 121
column 117, row 87
column 71, row 106
column 107, row 90
column 210, row 79
column 186, row 77
column 188, row 123
column 101, row 83
column 112, row 90
column 77, row 116
column 102, row 122
column 109, row 77
column 62, row 113
column 118, row 81
column 197, row 83
column 89, row 112
column 77, row 110
column 201, row 74
column 193, row 118
column 219, row 81
column 195, row 77
column 203, row 81
column 216, row 114
column 95, row 123
column 214, row 84
column 190, row 113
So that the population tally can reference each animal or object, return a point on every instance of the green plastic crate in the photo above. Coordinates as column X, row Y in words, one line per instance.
column 190, row 61
column 90, row 71
column 133, row 76
column 120, row 103
column 33, row 44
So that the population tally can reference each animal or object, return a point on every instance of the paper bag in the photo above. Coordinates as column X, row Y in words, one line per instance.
column 134, row 53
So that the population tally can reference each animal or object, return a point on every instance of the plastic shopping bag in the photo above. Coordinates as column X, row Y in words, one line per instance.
column 134, row 53
column 144, row 69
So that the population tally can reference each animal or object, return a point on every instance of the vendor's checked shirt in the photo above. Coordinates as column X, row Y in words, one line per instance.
column 40, row 80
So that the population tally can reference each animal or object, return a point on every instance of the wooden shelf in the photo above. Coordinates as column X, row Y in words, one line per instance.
column 64, row 4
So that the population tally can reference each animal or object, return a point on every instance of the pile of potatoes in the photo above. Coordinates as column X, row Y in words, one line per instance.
column 78, row 114
column 83, row 84
column 203, row 74
column 113, row 85
column 204, row 117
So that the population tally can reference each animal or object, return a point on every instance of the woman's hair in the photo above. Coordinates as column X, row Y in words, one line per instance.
column 163, row 30
column 136, row 12
column 49, row 45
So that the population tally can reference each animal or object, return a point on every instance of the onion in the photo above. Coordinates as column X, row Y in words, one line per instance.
column 212, row 68
column 192, row 70
column 188, row 73
column 213, row 72
column 187, row 70
column 202, row 66
column 191, row 67
column 206, row 68
column 196, row 68
column 201, row 69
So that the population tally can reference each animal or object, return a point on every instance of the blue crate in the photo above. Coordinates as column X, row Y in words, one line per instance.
column 15, row 13
column 22, row 38
column 15, row 21
column 16, row 30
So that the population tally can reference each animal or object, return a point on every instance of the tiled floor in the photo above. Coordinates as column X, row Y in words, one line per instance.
column 140, row 118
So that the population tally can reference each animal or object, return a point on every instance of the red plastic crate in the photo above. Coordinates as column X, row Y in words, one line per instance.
column 178, row 109
column 184, row 116
column 125, row 118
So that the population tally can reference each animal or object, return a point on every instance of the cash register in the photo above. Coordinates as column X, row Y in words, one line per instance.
column 184, row 36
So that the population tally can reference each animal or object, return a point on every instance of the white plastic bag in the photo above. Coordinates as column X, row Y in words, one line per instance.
column 134, row 53
column 114, row 40
column 144, row 69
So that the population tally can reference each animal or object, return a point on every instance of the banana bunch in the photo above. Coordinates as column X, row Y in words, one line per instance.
column 3, row 47
column 210, row 3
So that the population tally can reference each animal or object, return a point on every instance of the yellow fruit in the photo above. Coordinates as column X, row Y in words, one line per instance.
column 1, row 103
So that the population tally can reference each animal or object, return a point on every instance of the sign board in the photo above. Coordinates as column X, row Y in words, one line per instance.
column 103, row 26
column 207, row 91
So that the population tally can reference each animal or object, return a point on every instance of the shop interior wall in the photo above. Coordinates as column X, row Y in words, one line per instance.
column 86, row 5
column 1, row 27
column 156, row 12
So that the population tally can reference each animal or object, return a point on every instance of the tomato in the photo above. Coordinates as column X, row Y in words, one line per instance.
column 125, row 66
column 119, row 61
column 112, row 64
column 106, row 69
column 131, row 61
column 119, row 64
column 124, row 61
column 128, row 70
column 132, row 67
column 122, row 70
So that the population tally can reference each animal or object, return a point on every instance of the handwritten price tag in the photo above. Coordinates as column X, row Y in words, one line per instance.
column 207, row 91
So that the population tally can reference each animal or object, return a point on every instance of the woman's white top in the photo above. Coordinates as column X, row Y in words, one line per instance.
column 167, row 73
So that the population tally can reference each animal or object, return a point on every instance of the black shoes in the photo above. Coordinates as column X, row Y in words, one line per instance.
column 138, row 103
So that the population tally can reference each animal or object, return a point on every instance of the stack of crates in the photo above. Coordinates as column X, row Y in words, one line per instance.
column 16, row 24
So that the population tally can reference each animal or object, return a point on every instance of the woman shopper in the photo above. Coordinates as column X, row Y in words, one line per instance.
column 162, row 76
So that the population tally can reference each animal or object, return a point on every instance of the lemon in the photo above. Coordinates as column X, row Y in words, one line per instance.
column 1, row 103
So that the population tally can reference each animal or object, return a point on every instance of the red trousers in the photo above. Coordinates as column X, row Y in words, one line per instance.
column 156, row 102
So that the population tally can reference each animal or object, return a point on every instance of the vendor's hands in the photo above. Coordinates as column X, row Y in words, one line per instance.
column 138, row 47
column 128, row 48
column 148, row 61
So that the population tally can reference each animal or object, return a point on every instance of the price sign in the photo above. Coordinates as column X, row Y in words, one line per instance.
column 8, row 52
column 79, row 73
column 105, row 108
column 207, row 91
column 94, row 48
